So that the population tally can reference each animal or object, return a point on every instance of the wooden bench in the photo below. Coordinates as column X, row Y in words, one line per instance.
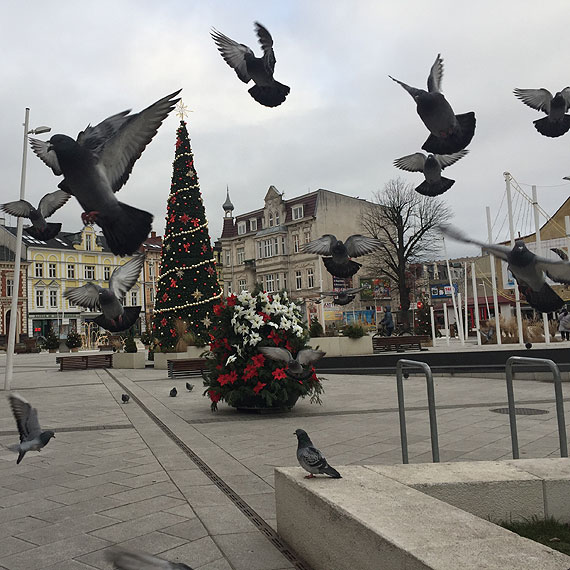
column 85, row 361
column 184, row 368
column 398, row 343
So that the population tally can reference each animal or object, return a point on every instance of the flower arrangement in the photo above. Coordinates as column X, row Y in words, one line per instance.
column 237, row 372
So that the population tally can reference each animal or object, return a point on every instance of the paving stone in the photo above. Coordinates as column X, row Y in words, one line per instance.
column 142, row 508
column 196, row 553
column 189, row 530
column 11, row 545
column 81, row 495
column 223, row 519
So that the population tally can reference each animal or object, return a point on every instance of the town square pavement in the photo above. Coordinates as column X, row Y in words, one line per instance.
column 168, row 476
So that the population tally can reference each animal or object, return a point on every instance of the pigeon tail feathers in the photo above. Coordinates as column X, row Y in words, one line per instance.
column 545, row 301
column 427, row 189
column 346, row 269
column 270, row 96
column 455, row 142
column 331, row 472
column 50, row 232
column 550, row 128
column 125, row 232
column 128, row 318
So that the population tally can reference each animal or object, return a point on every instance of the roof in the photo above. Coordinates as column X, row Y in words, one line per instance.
column 7, row 255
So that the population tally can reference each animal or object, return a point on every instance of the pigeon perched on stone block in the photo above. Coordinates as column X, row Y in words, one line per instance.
column 311, row 459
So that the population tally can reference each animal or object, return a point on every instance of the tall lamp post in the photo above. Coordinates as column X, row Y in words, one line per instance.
column 18, row 255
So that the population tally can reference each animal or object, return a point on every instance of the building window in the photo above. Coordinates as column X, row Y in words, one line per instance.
column 277, row 282
column 88, row 242
column 151, row 269
column 270, row 219
column 134, row 298
column 269, row 283
column 39, row 298
column 89, row 272
column 106, row 272
column 70, row 271
column 240, row 255
column 297, row 212
column 296, row 243
column 229, row 257
column 259, row 250
column 152, row 295
column 307, row 236
column 283, row 249
column 298, row 280
column 9, row 287
column 310, row 278
column 242, row 284
column 52, row 270
column 284, row 280
column 229, row 287
column 241, row 228
column 53, row 299
column 253, row 225
column 276, row 218
column 38, row 269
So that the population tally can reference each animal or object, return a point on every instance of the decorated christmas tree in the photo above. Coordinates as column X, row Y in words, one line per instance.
column 188, row 285
column 423, row 318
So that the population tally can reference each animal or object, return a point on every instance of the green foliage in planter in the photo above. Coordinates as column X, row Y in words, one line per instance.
column 130, row 344
column 52, row 340
column 354, row 331
column 147, row 338
column 73, row 339
column 316, row 329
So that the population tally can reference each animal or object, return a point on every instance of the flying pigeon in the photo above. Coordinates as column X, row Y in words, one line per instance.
column 431, row 165
column 339, row 264
column 239, row 57
column 560, row 253
column 557, row 122
column 528, row 269
column 189, row 386
column 450, row 133
column 296, row 367
column 115, row 317
column 130, row 560
column 173, row 393
column 125, row 398
column 40, row 229
column 342, row 297
column 32, row 438
column 98, row 164
column 311, row 459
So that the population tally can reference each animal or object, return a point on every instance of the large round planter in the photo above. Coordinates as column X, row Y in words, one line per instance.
column 52, row 350
column 75, row 349
column 257, row 405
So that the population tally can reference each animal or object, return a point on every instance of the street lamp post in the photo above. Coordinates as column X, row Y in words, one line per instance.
column 18, row 255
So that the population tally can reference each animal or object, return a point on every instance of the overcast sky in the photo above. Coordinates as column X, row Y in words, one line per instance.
column 340, row 128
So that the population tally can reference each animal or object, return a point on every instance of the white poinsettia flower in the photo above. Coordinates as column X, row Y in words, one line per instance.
column 286, row 324
column 298, row 330
column 231, row 358
column 254, row 339
column 272, row 324
column 263, row 297
column 256, row 321
column 277, row 298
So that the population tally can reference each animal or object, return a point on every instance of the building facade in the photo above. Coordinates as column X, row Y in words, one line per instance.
column 7, row 258
column 152, row 248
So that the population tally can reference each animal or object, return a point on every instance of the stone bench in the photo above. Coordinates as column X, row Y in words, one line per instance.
column 186, row 368
column 427, row 516
column 398, row 343
column 85, row 361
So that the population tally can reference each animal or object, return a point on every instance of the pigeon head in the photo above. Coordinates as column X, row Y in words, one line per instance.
column 61, row 143
column 521, row 255
column 338, row 248
column 45, row 436
column 302, row 436
column 106, row 297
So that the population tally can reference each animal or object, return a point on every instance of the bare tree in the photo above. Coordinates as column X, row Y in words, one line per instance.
column 406, row 222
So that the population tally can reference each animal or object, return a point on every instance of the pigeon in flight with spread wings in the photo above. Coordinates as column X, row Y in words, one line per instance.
column 342, row 297
column 130, row 560
column 298, row 368
column 450, row 133
column 99, row 163
column 557, row 122
column 115, row 317
column 337, row 254
column 239, row 57
column 40, row 229
column 431, row 166
column 527, row 268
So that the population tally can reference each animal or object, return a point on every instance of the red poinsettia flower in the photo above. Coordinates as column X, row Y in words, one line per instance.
column 233, row 376
column 232, row 299
column 250, row 371
column 258, row 360
column 259, row 386
column 288, row 346
column 265, row 316
column 219, row 366
column 274, row 337
column 218, row 309
column 214, row 396
column 314, row 376
column 279, row 374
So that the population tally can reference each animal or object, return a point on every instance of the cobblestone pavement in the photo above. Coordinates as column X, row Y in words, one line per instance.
column 167, row 476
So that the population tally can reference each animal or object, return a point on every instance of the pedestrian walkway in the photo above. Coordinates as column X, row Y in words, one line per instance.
column 168, row 476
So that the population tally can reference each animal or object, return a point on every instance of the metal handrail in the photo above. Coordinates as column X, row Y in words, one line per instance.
column 431, row 407
column 512, row 361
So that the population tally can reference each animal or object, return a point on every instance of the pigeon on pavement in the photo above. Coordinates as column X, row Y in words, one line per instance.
column 296, row 367
column 130, row 560
column 125, row 398
column 339, row 264
column 557, row 122
column 450, row 133
column 115, row 317
column 173, row 392
column 40, row 229
column 528, row 269
column 311, row 459
column 99, row 163
column 32, row 438
column 189, row 386
column 431, row 165
column 239, row 57
column 342, row 297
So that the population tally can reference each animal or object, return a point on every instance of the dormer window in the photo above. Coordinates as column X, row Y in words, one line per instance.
column 297, row 212
column 276, row 218
column 270, row 219
column 241, row 228
column 253, row 225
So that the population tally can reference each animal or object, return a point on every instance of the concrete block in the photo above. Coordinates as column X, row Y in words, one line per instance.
column 129, row 359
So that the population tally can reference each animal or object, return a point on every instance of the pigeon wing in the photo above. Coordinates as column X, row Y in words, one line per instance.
column 445, row 160
column 307, row 356
column 320, row 246
column 558, row 270
column 413, row 91
column 94, row 138
column 42, row 150
column 26, row 418
column 538, row 99
column 566, row 94
column 233, row 54
column 19, row 208
column 560, row 253
column 353, row 291
column 412, row 162
column 276, row 353
column 358, row 245
column 52, row 201
column 499, row 251
column 86, row 296
column 266, row 42
column 125, row 276
column 119, row 154
column 312, row 457
column 129, row 560
column 435, row 75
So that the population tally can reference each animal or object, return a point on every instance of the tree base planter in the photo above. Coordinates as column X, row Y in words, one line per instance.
column 342, row 345
column 129, row 360
column 161, row 358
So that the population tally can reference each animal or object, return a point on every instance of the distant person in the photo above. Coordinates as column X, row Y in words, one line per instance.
column 564, row 324
column 388, row 321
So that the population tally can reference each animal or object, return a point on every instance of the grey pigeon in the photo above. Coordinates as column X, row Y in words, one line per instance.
column 311, row 459
column 173, row 393
column 125, row 398
column 32, row 438
column 239, row 57
column 560, row 253
column 40, row 229
column 189, row 386
column 342, row 297
column 431, row 165
column 296, row 367
column 115, row 317
column 450, row 133
column 339, row 263
column 99, row 163
column 527, row 268
column 556, row 122
column 130, row 560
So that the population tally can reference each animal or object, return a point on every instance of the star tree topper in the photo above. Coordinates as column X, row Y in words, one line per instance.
column 182, row 110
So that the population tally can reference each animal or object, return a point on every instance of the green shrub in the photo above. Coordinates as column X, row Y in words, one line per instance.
column 147, row 338
column 52, row 340
column 353, row 331
column 315, row 329
column 130, row 344
column 73, row 339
